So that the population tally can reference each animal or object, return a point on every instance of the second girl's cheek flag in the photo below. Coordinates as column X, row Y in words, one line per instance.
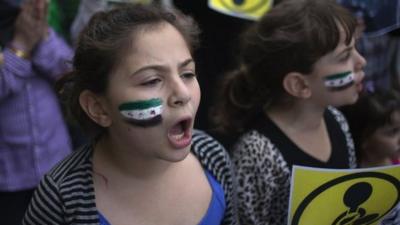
column 246, row 9
column 340, row 81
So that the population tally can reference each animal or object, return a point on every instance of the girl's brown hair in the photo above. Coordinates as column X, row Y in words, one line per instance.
column 289, row 38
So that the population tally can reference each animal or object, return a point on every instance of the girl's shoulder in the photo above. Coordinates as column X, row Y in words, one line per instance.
column 209, row 151
column 254, row 142
column 257, row 148
column 78, row 162
column 203, row 143
column 66, row 192
column 214, row 158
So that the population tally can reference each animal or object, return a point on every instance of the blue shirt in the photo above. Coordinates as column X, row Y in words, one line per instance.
column 216, row 209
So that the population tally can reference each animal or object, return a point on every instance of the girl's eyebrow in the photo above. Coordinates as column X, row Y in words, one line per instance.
column 344, row 51
column 160, row 67
column 185, row 63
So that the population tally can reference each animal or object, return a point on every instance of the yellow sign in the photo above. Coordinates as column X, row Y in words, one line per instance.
column 247, row 9
column 343, row 197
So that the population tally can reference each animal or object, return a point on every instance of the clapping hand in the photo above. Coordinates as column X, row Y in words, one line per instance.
column 31, row 25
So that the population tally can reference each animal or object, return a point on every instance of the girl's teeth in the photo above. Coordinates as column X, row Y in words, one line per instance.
column 177, row 136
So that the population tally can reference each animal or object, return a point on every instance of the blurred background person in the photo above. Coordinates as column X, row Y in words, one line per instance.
column 33, row 134
column 375, row 126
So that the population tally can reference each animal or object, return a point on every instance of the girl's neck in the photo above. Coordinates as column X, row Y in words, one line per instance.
column 297, row 116
column 304, row 126
column 112, row 157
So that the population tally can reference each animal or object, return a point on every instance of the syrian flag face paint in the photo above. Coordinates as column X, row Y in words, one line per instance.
column 339, row 81
column 142, row 113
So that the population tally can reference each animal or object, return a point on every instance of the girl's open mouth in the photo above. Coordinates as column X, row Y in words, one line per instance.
column 180, row 135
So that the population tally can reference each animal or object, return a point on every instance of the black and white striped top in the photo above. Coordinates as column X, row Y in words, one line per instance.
column 66, row 194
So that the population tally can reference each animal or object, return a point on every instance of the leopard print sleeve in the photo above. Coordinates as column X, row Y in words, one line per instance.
column 263, row 180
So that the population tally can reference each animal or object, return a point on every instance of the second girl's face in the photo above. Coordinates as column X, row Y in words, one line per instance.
column 158, row 67
column 343, row 68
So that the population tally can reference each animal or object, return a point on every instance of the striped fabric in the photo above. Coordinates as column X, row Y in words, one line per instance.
column 392, row 218
column 214, row 158
column 66, row 194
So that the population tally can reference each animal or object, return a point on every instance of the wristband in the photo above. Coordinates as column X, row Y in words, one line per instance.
column 19, row 53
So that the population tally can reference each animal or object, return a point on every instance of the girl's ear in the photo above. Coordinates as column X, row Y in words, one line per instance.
column 296, row 85
column 95, row 108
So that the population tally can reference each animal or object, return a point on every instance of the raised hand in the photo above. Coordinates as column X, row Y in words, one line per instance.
column 31, row 25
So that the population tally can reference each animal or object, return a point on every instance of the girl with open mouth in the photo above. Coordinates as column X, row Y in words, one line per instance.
column 134, row 90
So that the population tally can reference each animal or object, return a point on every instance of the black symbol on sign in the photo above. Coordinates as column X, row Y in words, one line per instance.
column 238, row 2
column 309, row 199
column 356, row 195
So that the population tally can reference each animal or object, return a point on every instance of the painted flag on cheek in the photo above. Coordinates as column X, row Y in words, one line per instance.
column 142, row 113
column 340, row 81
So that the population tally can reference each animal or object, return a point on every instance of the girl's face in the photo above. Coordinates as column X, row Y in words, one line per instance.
column 385, row 141
column 157, row 72
column 337, row 76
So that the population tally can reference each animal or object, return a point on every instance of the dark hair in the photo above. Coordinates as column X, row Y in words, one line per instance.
column 370, row 112
column 102, row 44
column 289, row 38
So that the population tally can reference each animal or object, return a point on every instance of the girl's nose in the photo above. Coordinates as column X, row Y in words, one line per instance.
column 180, row 94
column 360, row 61
column 359, row 65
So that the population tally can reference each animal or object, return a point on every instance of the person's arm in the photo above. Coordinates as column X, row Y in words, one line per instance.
column 16, row 66
column 52, row 57
column 14, row 71
column 45, row 206
column 36, row 41
column 262, row 182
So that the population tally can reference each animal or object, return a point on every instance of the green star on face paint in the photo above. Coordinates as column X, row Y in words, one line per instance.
column 142, row 113
column 339, row 81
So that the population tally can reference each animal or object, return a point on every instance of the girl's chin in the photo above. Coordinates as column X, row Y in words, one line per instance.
column 178, row 156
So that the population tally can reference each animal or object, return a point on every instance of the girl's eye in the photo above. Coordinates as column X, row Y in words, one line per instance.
column 188, row 75
column 395, row 131
column 392, row 131
column 345, row 57
column 152, row 82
